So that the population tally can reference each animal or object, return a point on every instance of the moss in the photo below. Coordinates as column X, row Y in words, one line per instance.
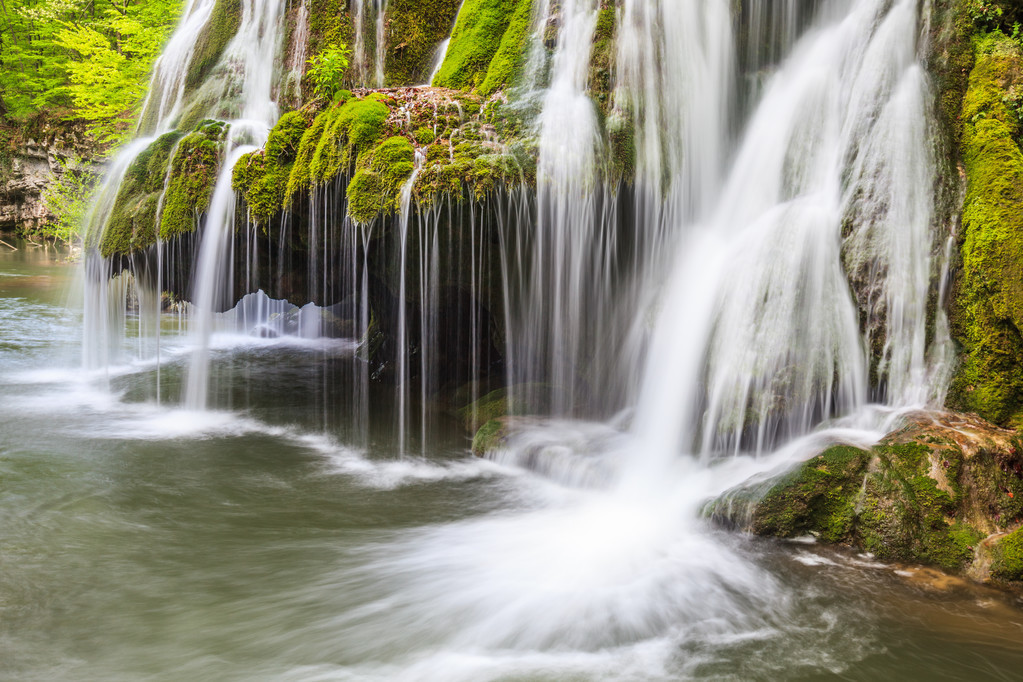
column 415, row 28
column 489, row 437
column 132, row 222
column 1008, row 564
column 193, row 176
column 602, row 57
column 511, row 53
column 376, row 187
column 365, row 196
column 424, row 136
column 282, row 142
column 262, row 176
column 621, row 134
column 210, row 45
column 334, row 142
column 818, row 497
column 987, row 314
column 477, row 35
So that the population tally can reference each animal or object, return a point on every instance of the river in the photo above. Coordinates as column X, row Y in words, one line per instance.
column 272, row 537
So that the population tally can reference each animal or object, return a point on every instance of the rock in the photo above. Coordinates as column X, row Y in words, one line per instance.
column 945, row 490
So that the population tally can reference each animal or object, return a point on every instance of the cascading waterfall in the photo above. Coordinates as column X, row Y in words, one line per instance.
column 769, row 327
column 361, row 11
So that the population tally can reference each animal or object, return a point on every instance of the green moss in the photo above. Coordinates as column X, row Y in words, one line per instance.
column 818, row 497
column 132, row 222
column 193, row 173
column 365, row 195
column 511, row 53
column 415, row 28
column 488, row 437
column 262, row 176
column 1008, row 564
column 193, row 176
column 602, row 57
column 376, row 187
column 210, row 45
column 334, row 142
column 987, row 314
column 282, row 142
column 477, row 35
column 424, row 136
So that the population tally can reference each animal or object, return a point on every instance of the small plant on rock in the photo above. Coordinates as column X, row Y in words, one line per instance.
column 327, row 70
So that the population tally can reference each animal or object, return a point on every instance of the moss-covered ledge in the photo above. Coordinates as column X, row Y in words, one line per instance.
column 369, row 141
column 945, row 490
column 172, row 182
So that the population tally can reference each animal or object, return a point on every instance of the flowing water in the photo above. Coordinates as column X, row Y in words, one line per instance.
column 255, row 541
column 227, row 496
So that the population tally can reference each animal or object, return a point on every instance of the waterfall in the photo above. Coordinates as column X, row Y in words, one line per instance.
column 758, row 336
column 765, row 270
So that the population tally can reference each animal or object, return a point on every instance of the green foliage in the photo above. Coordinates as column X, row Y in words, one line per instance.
column 327, row 70
column 476, row 38
column 86, row 61
column 67, row 198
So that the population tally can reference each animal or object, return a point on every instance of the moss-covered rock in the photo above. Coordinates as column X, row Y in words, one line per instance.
column 817, row 497
column 376, row 187
column 193, row 176
column 987, row 310
column 132, row 222
column 510, row 57
column 332, row 144
column 143, row 200
column 476, row 39
column 209, row 46
column 929, row 493
column 262, row 176
column 415, row 28
column 1008, row 563
column 489, row 437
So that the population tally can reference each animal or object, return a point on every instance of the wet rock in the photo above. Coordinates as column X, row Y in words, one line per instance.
column 945, row 490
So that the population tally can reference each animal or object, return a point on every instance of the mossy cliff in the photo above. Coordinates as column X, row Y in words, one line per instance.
column 987, row 302
column 187, row 167
column 941, row 491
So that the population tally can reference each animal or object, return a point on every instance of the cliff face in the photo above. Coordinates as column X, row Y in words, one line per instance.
column 33, row 157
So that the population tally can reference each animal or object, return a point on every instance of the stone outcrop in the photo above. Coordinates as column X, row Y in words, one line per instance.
column 31, row 161
column 945, row 490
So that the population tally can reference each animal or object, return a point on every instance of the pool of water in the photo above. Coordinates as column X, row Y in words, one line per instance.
column 280, row 535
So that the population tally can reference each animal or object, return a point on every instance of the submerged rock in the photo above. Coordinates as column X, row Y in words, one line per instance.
column 945, row 490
